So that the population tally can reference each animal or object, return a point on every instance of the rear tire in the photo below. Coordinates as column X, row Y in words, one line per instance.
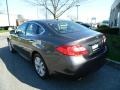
column 40, row 66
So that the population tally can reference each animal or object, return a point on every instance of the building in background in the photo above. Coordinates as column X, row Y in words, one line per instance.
column 115, row 14
column 15, row 20
column 20, row 19
column 4, row 20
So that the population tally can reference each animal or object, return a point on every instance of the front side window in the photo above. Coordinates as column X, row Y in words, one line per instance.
column 34, row 29
column 21, row 29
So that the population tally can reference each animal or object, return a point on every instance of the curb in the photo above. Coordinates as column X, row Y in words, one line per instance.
column 113, row 63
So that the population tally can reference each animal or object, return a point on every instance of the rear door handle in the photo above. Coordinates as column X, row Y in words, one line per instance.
column 30, row 40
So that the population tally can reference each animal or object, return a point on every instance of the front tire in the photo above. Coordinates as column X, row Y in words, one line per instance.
column 40, row 66
column 11, row 49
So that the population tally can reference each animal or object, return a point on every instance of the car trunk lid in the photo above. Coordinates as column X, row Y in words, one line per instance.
column 91, row 40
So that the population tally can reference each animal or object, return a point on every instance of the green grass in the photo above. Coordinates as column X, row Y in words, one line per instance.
column 2, row 31
column 113, row 42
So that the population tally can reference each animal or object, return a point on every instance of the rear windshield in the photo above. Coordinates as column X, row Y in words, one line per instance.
column 66, row 26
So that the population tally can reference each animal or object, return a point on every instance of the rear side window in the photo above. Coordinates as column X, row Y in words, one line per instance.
column 34, row 29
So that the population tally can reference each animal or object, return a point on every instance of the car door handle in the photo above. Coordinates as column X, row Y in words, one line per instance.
column 31, row 40
column 28, row 39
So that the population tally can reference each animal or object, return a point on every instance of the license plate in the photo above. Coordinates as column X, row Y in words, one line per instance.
column 95, row 47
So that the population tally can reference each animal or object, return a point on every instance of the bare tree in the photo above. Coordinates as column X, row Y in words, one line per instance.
column 55, row 7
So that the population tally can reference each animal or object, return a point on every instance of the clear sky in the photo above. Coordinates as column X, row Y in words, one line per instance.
column 100, row 9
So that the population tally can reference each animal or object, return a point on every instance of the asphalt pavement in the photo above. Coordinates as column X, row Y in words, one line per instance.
column 16, row 73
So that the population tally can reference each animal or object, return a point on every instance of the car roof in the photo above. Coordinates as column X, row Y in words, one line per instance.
column 46, row 21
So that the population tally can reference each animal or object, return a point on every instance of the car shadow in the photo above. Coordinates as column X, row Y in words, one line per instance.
column 24, row 71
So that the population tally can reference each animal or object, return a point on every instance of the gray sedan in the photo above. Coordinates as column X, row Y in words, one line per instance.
column 59, row 46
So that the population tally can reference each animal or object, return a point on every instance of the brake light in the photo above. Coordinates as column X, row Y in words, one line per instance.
column 74, row 50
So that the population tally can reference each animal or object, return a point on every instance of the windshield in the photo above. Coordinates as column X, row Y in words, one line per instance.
column 66, row 26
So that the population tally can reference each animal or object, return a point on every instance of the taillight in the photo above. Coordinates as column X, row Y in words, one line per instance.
column 74, row 50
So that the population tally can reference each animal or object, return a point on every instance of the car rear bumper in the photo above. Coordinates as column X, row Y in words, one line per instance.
column 81, row 66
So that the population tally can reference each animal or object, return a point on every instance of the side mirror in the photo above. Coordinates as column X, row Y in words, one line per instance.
column 17, row 32
column 12, row 32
